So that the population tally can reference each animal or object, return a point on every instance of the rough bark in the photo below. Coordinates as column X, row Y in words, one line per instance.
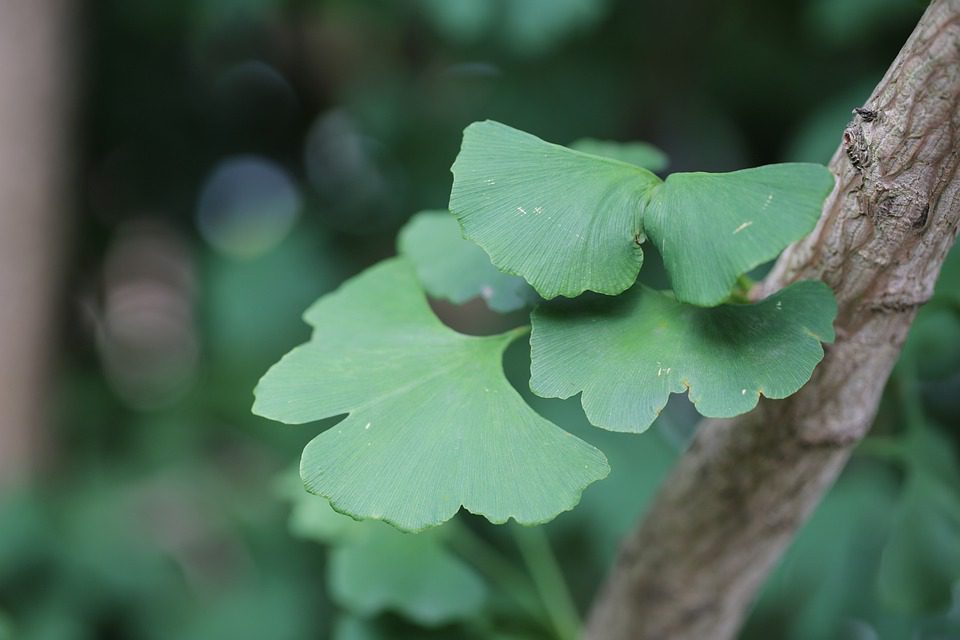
column 733, row 503
column 34, row 86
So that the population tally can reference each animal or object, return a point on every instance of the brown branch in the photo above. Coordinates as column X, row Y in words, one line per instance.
column 35, row 91
column 737, row 497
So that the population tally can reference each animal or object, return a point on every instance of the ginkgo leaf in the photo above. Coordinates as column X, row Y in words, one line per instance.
column 411, row 574
column 641, row 154
column 312, row 517
column 564, row 220
column 628, row 354
column 455, row 269
column 375, row 568
column 433, row 424
column 569, row 221
column 710, row 228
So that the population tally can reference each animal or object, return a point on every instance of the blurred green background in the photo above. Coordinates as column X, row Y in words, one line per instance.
column 238, row 159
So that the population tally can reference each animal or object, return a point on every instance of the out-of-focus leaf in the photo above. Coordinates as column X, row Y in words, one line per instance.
column 948, row 284
column 533, row 27
column 312, row 517
column 824, row 578
column 628, row 354
column 933, row 344
column 250, row 611
column 854, row 22
column 710, row 228
column 6, row 627
column 351, row 627
column 26, row 533
column 433, row 426
column 527, row 27
column 921, row 562
column 926, row 448
column 360, row 185
column 386, row 570
column 282, row 282
column 564, row 220
column 55, row 623
column 820, row 133
column 455, row 269
column 609, row 509
column 374, row 568
column 641, row 154
column 462, row 21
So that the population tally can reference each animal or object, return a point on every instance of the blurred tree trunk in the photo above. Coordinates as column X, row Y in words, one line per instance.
column 35, row 92
column 735, row 500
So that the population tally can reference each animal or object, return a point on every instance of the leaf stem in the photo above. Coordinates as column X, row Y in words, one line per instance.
column 905, row 385
column 498, row 568
column 548, row 578
column 741, row 290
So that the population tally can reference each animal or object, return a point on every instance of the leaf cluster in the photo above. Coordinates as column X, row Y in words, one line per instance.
column 433, row 425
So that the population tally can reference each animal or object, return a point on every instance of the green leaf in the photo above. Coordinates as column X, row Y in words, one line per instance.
column 312, row 518
column 6, row 627
column 564, row 220
column 433, row 424
column 569, row 221
column 455, row 269
column 920, row 565
column 933, row 344
column 386, row 570
column 316, row 520
column 350, row 627
column 712, row 227
column 525, row 27
column 640, row 154
column 824, row 579
column 628, row 354
column 375, row 568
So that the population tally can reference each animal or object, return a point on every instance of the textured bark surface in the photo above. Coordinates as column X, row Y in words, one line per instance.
column 34, row 86
column 736, row 498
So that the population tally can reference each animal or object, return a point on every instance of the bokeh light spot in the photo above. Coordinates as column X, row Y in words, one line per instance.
column 247, row 206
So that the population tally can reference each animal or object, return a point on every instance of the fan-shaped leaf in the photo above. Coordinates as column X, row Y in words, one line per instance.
column 312, row 517
column 411, row 574
column 712, row 227
column 628, row 354
column 564, row 220
column 569, row 221
column 375, row 568
column 455, row 269
column 433, row 423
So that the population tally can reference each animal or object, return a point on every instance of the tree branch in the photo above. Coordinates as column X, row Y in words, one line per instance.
column 35, row 91
column 736, row 498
